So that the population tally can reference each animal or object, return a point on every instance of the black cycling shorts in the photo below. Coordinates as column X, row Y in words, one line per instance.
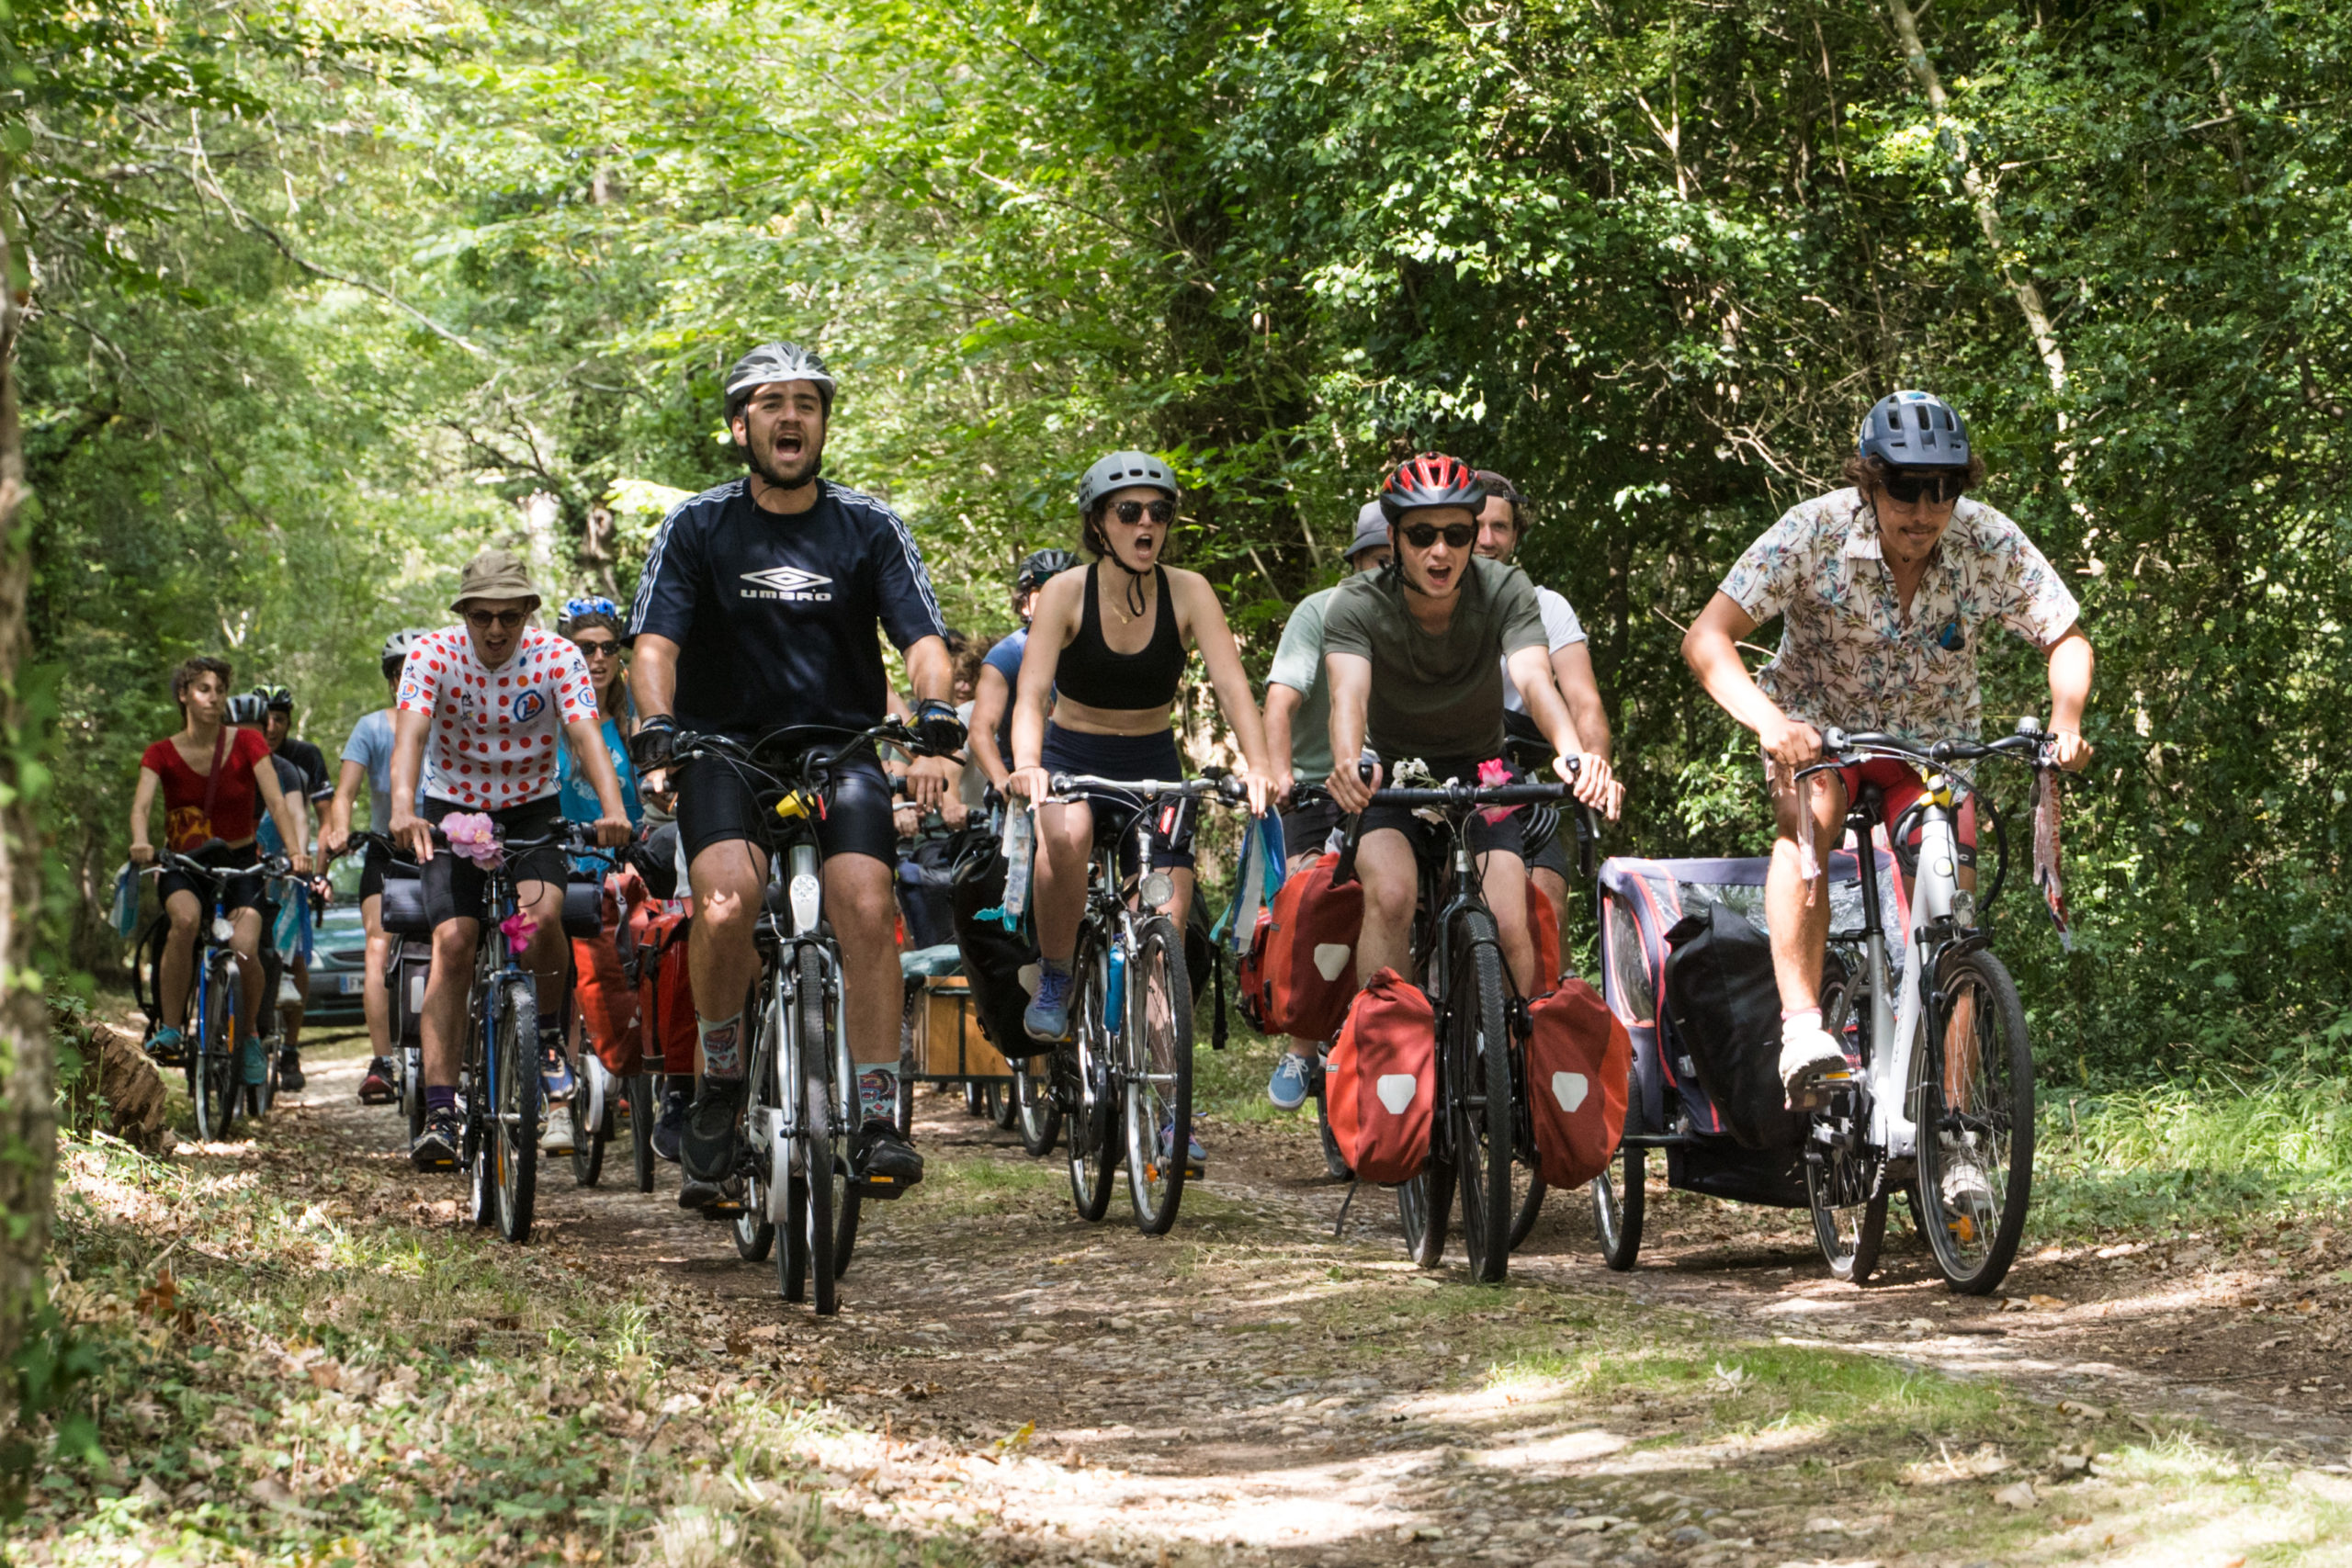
column 718, row 805
column 237, row 893
column 1552, row 855
column 1485, row 836
column 1139, row 756
column 373, row 859
column 1307, row 829
column 456, row 888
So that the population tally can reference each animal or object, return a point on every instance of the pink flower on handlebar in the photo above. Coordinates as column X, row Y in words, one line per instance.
column 1493, row 773
column 519, row 928
column 470, row 834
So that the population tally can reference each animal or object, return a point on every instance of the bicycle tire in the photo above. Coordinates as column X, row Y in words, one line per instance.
column 792, row 1256
column 411, row 1094
column 1037, row 1115
column 1974, row 1249
column 588, row 1141
column 1840, row 1175
column 514, row 1130
column 1425, row 1207
column 1528, row 1192
column 975, row 1100
column 1335, row 1161
column 214, row 1057
column 639, row 1096
column 1157, row 1075
column 1478, row 1053
column 1617, row 1205
column 1094, row 1116
column 1001, row 1109
column 816, row 1116
column 754, row 1226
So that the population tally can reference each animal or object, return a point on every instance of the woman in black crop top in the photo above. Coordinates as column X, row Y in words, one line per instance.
column 1108, row 646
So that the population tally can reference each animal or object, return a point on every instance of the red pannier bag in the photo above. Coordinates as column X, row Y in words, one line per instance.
column 1300, row 971
column 665, row 994
column 1579, row 1056
column 1380, row 1080
column 602, row 997
column 1543, row 925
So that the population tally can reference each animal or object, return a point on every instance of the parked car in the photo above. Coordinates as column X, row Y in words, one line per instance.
column 338, row 953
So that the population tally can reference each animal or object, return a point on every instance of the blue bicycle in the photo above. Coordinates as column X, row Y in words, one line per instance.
column 212, row 1057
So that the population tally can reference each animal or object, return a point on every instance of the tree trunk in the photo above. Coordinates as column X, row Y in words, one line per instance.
column 1981, row 194
column 28, row 1085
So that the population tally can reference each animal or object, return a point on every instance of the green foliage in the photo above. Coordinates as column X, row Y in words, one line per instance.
column 1652, row 259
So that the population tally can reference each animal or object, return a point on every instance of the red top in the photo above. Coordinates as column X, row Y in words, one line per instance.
column 236, row 804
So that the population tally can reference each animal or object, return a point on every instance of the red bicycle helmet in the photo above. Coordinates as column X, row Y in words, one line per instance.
column 1431, row 480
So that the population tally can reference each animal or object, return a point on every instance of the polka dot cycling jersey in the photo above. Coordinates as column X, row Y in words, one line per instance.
column 495, row 734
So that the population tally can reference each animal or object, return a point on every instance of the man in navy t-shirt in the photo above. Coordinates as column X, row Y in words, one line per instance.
column 757, row 610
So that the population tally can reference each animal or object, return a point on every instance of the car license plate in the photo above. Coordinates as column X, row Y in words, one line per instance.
column 355, row 984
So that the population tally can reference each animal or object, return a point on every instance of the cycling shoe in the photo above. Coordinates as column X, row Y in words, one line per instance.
column 713, row 1144
column 885, row 1162
column 435, row 1148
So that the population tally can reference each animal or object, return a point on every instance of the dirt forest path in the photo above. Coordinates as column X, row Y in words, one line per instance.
column 1052, row 1389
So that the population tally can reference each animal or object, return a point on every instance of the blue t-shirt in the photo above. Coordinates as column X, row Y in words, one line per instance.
column 1005, row 659
column 370, row 746
column 774, row 614
column 290, row 784
column 579, row 795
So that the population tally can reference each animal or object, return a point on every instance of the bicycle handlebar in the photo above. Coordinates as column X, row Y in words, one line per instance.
column 189, row 865
column 1224, row 786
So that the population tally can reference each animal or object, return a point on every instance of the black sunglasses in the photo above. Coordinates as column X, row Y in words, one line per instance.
column 504, row 620
column 1421, row 536
column 597, row 648
column 1938, row 488
column 1132, row 512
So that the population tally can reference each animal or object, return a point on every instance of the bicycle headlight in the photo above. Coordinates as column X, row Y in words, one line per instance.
column 1158, row 889
column 807, row 894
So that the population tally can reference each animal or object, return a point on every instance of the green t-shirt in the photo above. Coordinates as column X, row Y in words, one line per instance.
column 1436, row 696
column 1299, row 664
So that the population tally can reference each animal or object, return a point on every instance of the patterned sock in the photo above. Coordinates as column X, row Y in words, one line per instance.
column 722, row 1046
column 439, row 1099
column 877, row 1095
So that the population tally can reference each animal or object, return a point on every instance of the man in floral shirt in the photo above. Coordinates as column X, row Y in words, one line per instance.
column 1884, row 590
column 487, row 696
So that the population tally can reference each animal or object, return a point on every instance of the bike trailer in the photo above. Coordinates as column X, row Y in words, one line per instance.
column 1001, row 965
column 1641, row 902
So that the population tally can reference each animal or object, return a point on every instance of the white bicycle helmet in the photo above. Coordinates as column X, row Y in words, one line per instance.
column 776, row 361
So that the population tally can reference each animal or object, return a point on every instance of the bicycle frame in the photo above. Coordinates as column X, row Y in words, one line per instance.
column 1896, row 1034
column 801, row 928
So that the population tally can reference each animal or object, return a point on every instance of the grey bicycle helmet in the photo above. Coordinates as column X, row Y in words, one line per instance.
column 1121, row 469
column 776, row 361
column 248, row 710
column 1914, row 430
column 1040, row 566
column 396, row 648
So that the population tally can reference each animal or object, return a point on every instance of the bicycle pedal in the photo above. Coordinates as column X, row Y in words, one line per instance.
column 881, row 1187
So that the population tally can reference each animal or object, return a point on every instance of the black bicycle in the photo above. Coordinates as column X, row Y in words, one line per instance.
column 213, row 1045
column 1481, row 1128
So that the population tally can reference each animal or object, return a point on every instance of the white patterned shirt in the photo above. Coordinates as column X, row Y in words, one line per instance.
column 494, row 736
column 1848, row 656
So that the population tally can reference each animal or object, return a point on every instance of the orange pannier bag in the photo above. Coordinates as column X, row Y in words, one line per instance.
column 1299, row 976
column 1380, row 1080
column 1578, row 1059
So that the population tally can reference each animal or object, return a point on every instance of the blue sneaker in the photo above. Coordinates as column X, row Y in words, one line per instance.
column 1048, row 1014
column 555, row 1073
column 1291, row 1084
column 253, row 1059
column 1196, row 1159
column 168, row 1045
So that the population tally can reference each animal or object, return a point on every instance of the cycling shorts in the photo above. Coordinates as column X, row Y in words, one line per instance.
column 1150, row 756
column 1488, row 831
column 1307, row 829
column 373, row 859
column 1900, row 789
column 237, row 893
column 457, row 889
column 1552, row 855
column 718, row 805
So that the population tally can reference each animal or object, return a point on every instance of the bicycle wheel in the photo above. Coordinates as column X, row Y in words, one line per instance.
column 1843, row 1182
column 412, row 1062
column 1002, row 1108
column 1094, row 1112
column 976, row 1101
column 1973, row 1088
column 1425, row 1206
column 1036, row 1113
column 1335, row 1163
column 514, row 1131
column 640, row 1100
column 213, row 1065
column 754, row 1224
column 474, row 1144
column 823, row 1181
column 1156, row 1087
column 1477, row 1054
column 1617, row 1203
column 1527, row 1195
column 592, row 1124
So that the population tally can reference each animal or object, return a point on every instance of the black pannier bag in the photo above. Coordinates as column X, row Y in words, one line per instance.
column 994, row 958
column 1724, row 1009
column 403, row 906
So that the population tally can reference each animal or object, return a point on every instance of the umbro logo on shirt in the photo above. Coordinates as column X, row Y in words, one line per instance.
column 788, row 582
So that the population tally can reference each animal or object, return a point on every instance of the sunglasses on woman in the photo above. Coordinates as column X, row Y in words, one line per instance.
column 1458, row 536
column 1935, row 487
column 596, row 648
column 1133, row 511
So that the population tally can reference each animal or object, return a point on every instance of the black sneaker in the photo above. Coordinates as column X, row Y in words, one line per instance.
column 699, row 1195
column 376, row 1087
column 884, row 1160
column 435, row 1148
column 670, row 1129
column 713, row 1143
column 289, row 1069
